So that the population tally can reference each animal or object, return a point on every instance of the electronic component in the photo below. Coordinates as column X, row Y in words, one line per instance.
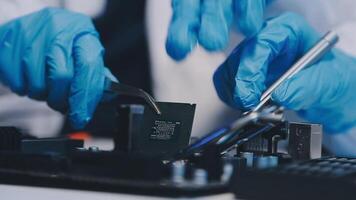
column 50, row 146
column 241, row 131
column 305, row 141
column 142, row 131
column 56, row 163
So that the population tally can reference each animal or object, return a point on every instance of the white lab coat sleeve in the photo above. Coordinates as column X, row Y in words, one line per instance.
column 30, row 116
column 10, row 9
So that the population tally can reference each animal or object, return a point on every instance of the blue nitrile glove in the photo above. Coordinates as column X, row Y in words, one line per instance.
column 322, row 93
column 208, row 22
column 55, row 55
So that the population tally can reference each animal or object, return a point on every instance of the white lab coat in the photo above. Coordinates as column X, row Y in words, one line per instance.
column 190, row 80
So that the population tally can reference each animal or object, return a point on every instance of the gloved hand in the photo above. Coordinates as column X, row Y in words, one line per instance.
column 322, row 93
column 55, row 55
column 208, row 22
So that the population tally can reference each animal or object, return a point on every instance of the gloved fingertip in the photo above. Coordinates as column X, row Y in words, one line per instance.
column 246, row 95
column 179, row 44
column 182, row 32
column 216, row 19
column 213, row 39
column 250, row 16
column 247, row 101
column 79, row 115
column 84, row 98
column 279, row 94
column 79, row 121
column 250, row 28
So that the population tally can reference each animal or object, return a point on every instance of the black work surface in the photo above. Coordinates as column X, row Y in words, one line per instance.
column 104, row 171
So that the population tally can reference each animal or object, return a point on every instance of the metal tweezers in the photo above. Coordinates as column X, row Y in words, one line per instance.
column 122, row 89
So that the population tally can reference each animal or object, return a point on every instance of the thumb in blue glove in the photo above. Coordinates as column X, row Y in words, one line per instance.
column 208, row 22
column 322, row 93
column 56, row 56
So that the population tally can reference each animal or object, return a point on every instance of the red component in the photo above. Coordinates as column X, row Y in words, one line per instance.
column 79, row 135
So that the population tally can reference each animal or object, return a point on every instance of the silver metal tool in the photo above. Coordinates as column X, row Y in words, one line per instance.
column 122, row 89
column 312, row 56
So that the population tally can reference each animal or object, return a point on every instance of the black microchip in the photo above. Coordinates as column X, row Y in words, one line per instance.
column 165, row 130
column 148, row 133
